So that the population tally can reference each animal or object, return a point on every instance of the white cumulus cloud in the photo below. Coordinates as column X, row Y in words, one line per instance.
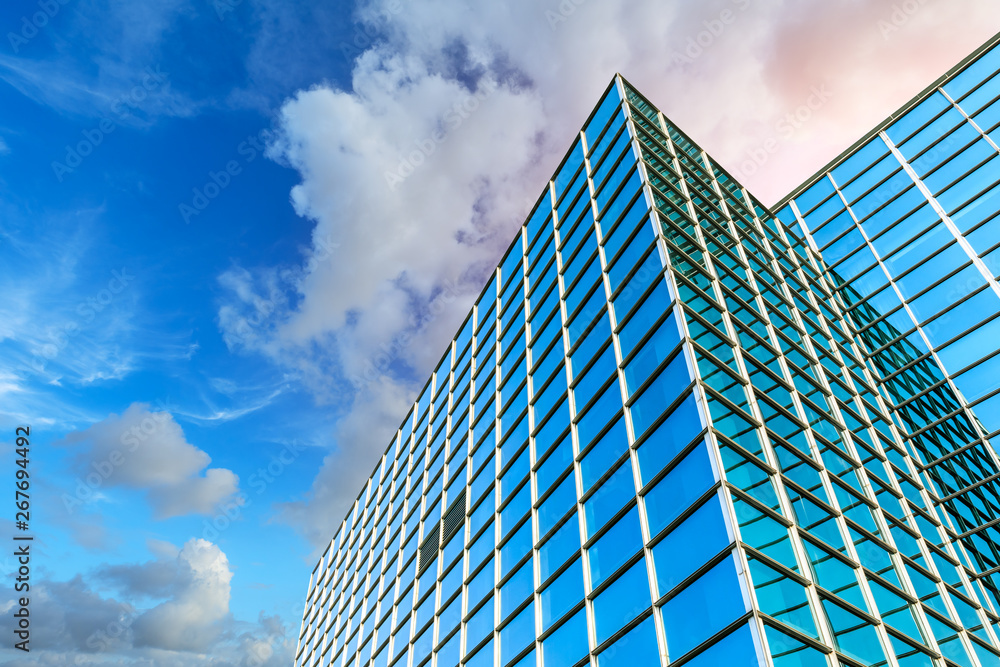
column 146, row 449
column 458, row 112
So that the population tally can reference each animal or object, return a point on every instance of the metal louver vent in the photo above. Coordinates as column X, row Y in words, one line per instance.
column 428, row 550
column 454, row 519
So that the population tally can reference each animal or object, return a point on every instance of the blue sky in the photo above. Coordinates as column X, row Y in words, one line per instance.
column 237, row 235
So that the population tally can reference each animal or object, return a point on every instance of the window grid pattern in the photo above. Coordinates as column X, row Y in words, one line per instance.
column 756, row 292
column 667, row 438
column 908, row 225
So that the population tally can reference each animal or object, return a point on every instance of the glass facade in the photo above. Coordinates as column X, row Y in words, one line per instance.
column 668, row 433
column 907, row 223
column 907, row 220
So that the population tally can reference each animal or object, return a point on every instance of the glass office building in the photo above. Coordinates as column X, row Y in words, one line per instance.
column 906, row 217
column 669, row 433
column 906, row 221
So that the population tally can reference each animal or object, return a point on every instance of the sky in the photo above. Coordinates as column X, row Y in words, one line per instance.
column 237, row 235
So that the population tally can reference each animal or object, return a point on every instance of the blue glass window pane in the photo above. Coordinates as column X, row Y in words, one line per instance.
column 513, row 550
column 559, row 547
column 581, row 322
column 782, row 598
column 734, row 650
column 649, row 267
column 932, row 132
column 588, row 341
column 709, row 604
column 673, row 494
column 540, row 223
column 854, row 636
column 943, row 296
column 980, row 380
column 637, row 647
column 623, row 600
column 624, row 171
column 479, row 626
column 659, row 394
column 613, row 151
column 515, row 509
column 550, row 432
column 861, row 159
column 562, row 594
column 401, row 638
column 482, row 584
column 599, row 414
column 615, row 237
column 970, row 187
column 919, row 249
column 554, row 465
column 595, row 377
column 789, row 652
column 906, row 230
column 827, row 211
column 970, row 347
column 422, row 645
column 567, row 645
column 449, row 653
column 517, row 589
column 580, row 291
column 482, row 514
column 567, row 171
column 450, row 615
column 659, row 346
column 690, row 545
column 515, row 473
column 517, row 635
column 976, row 72
column 982, row 207
column 557, row 504
column 918, row 116
column 609, row 106
column 616, row 546
column 609, row 210
column 812, row 196
column 609, row 498
column 831, row 230
column 669, row 438
column 482, row 658
column 526, row 661
column 842, row 247
column 604, row 454
column 649, row 312
column 959, row 164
